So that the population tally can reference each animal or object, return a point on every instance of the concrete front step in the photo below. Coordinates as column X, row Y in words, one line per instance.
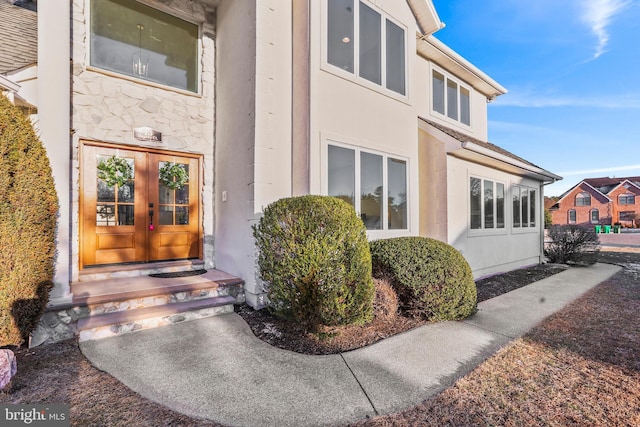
column 115, row 305
column 119, row 322
column 92, row 274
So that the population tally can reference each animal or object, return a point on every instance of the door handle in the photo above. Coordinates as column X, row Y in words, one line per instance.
column 151, row 226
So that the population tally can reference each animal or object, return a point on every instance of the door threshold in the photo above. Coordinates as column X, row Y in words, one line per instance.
column 133, row 269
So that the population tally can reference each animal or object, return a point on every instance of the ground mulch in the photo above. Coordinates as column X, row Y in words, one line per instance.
column 290, row 336
column 579, row 367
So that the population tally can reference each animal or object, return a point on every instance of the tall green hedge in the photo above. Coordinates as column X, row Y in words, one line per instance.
column 28, row 210
column 432, row 279
column 315, row 262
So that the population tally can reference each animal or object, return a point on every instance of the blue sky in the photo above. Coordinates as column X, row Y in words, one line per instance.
column 572, row 68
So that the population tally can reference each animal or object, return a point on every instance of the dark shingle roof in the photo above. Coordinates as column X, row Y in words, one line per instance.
column 485, row 144
column 19, row 35
column 606, row 184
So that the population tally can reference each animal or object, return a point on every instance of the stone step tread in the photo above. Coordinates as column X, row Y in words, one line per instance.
column 120, row 317
column 125, row 288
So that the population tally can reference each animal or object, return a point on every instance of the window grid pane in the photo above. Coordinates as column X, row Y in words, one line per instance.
column 438, row 92
column 516, row 207
column 397, row 201
column 452, row 100
column 532, row 208
column 395, row 58
column 371, row 191
column 340, row 42
column 465, row 107
column 475, row 203
column 524, row 194
column 488, row 204
column 341, row 174
column 499, row 205
column 370, row 44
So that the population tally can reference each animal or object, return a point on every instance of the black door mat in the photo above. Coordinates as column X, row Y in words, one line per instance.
column 178, row 274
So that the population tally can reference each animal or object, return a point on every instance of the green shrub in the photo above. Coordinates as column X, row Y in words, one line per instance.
column 28, row 209
column 432, row 279
column 572, row 244
column 315, row 262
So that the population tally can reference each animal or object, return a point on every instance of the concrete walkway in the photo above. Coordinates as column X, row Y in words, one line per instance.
column 216, row 369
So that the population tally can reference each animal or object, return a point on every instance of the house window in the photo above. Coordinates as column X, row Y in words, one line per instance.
column 451, row 99
column 627, row 199
column 486, row 199
column 571, row 216
column 365, row 42
column 583, row 199
column 524, row 207
column 595, row 216
column 130, row 38
column 627, row 216
column 379, row 180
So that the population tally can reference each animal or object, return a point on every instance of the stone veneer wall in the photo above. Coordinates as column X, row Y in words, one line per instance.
column 107, row 107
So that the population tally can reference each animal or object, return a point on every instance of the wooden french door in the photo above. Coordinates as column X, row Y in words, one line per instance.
column 142, row 220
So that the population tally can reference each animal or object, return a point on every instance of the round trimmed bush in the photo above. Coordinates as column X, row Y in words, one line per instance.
column 431, row 278
column 315, row 262
column 28, row 210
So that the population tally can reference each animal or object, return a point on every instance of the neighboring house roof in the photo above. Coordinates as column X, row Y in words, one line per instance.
column 19, row 35
column 471, row 148
column 604, row 185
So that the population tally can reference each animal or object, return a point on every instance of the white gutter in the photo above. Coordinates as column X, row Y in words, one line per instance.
column 460, row 61
column 511, row 161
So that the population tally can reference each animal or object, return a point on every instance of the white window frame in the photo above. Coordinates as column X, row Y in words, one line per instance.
column 528, row 228
column 626, row 196
column 385, row 231
column 355, row 76
column 160, row 8
column 483, row 231
column 583, row 195
column 460, row 84
column 575, row 215
column 591, row 212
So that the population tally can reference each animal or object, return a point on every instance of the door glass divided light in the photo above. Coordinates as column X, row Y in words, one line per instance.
column 115, row 204
column 136, row 40
column 174, row 203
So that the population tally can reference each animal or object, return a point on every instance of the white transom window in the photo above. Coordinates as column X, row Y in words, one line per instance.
column 130, row 38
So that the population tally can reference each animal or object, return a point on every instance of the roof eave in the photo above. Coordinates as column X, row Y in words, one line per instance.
column 426, row 16
column 433, row 49
column 528, row 170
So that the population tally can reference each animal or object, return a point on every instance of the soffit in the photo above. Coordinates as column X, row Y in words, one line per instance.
column 434, row 50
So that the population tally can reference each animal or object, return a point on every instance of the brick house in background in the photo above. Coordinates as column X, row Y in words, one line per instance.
column 603, row 201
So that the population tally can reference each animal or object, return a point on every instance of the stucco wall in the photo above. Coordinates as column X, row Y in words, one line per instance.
column 497, row 251
column 253, row 135
column 353, row 112
column 107, row 107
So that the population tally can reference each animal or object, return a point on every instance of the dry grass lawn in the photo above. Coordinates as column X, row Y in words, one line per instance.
column 580, row 367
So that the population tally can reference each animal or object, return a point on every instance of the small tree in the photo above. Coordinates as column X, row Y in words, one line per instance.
column 572, row 244
column 315, row 262
column 28, row 210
